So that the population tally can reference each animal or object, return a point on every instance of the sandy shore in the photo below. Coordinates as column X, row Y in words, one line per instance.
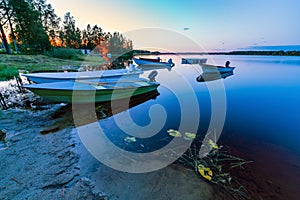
column 173, row 182
column 43, row 158
column 56, row 165
column 36, row 166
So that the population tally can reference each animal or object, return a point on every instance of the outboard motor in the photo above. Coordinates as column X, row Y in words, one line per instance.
column 152, row 76
column 171, row 62
column 227, row 63
column 131, row 66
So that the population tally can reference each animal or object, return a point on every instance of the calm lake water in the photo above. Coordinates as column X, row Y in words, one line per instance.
column 255, row 111
column 260, row 100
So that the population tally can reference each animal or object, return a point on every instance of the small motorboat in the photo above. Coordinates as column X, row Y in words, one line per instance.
column 213, row 68
column 91, row 91
column 153, row 62
column 102, row 75
column 193, row 60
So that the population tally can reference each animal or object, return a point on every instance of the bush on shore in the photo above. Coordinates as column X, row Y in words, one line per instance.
column 66, row 53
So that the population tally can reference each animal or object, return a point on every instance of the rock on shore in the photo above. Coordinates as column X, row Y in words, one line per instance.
column 16, row 97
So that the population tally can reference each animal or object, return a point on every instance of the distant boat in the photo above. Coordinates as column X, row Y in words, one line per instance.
column 213, row 68
column 211, row 76
column 89, row 75
column 91, row 92
column 152, row 62
column 193, row 60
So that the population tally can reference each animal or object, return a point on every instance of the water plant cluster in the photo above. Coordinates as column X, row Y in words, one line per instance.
column 215, row 167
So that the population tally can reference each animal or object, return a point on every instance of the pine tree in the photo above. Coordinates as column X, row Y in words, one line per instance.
column 49, row 19
column 3, row 21
column 69, row 34
column 30, row 31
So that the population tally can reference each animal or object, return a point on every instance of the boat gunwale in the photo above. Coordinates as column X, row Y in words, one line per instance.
column 215, row 66
column 79, row 77
column 104, row 89
column 153, row 63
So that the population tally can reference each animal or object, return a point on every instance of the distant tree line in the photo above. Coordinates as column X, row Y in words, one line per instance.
column 31, row 26
column 263, row 53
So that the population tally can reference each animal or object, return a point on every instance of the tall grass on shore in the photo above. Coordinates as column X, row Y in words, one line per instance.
column 10, row 64
column 8, row 73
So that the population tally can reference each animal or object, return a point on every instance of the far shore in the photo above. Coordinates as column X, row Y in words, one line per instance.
column 250, row 53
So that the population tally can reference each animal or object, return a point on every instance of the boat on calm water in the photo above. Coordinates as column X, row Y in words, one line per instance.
column 206, row 68
column 193, row 60
column 153, row 62
column 87, row 75
column 92, row 91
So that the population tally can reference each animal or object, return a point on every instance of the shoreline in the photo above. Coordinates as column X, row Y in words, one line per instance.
column 54, row 165
column 46, row 132
column 44, row 158
column 57, row 163
column 36, row 166
column 237, row 53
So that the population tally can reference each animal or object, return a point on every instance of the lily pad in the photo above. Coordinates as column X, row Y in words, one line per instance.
column 174, row 133
column 129, row 139
column 189, row 136
column 213, row 144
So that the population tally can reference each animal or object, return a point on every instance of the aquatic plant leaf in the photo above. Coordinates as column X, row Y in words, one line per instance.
column 189, row 136
column 129, row 139
column 213, row 144
column 174, row 133
column 205, row 172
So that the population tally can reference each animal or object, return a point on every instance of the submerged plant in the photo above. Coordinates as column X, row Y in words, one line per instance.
column 205, row 172
column 215, row 166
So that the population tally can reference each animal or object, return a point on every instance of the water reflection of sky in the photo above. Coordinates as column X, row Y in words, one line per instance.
column 263, row 98
column 262, row 102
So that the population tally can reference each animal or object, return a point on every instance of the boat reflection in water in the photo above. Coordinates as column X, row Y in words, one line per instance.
column 83, row 114
column 211, row 76
column 88, row 113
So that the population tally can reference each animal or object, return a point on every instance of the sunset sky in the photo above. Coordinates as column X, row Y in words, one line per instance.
column 192, row 25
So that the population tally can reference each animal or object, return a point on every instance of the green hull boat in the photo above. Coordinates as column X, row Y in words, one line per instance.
column 91, row 92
